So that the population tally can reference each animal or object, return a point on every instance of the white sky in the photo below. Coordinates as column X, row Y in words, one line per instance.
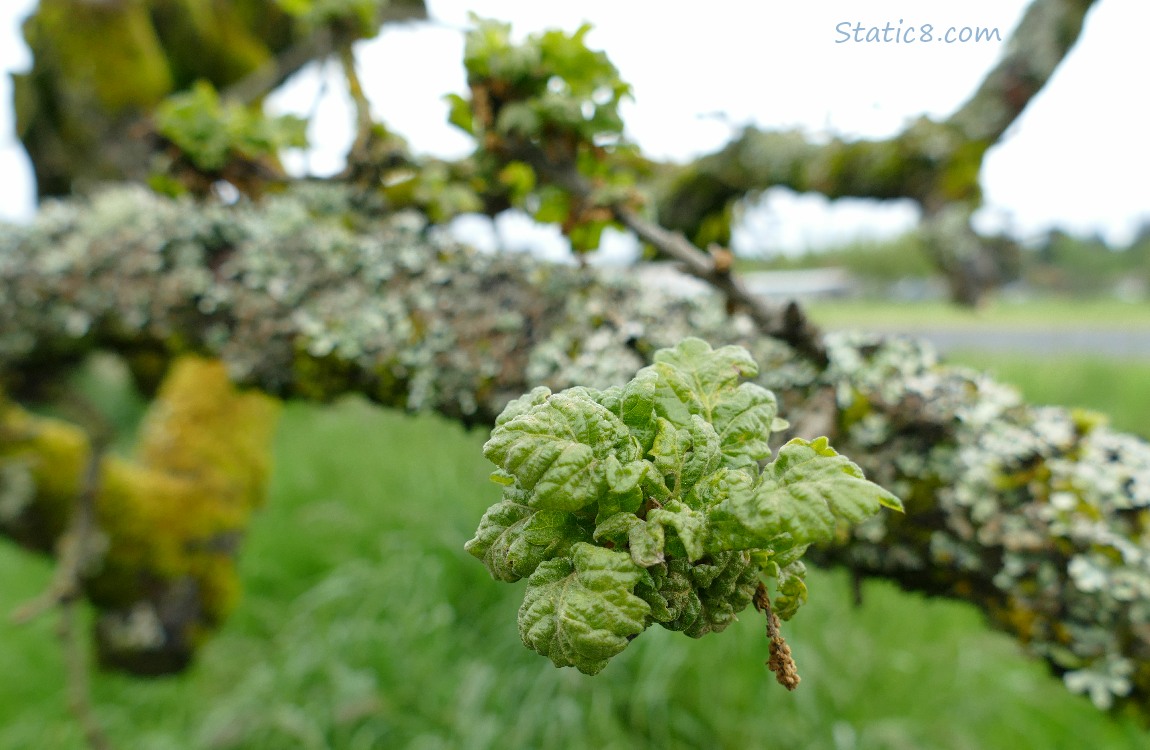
column 1077, row 158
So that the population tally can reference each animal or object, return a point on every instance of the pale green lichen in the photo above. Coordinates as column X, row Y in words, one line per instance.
column 1040, row 509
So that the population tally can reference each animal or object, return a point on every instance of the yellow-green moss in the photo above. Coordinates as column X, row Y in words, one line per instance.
column 107, row 49
column 56, row 455
column 180, row 508
column 173, row 516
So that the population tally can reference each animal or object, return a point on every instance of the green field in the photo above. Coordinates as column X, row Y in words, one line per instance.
column 365, row 625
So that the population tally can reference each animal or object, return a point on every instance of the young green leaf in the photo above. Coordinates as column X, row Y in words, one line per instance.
column 802, row 493
column 643, row 540
column 557, row 448
column 646, row 503
column 513, row 538
column 744, row 419
column 725, row 588
column 690, row 528
column 692, row 378
column 581, row 611
column 685, row 455
column 792, row 592
column 523, row 404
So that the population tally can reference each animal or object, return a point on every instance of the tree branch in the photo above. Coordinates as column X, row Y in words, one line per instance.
column 935, row 164
column 788, row 324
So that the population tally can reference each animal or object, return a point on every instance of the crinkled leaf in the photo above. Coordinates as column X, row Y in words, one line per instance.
column 690, row 528
column 557, row 448
column 623, row 478
column 780, row 555
column 637, row 407
column 581, row 611
column 718, row 486
column 792, row 589
column 692, row 378
column 802, row 493
column 668, row 591
column 687, row 454
column 523, row 404
column 701, row 598
column 610, row 399
column 501, row 477
column 614, row 502
column 725, row 589
column 647, row 539
column 513, row 539
column 744, row 419
column 643, row 540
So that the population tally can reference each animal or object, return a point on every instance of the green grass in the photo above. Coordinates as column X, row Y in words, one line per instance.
column 1118, row 388
column 1052, row 313
column 365, row 625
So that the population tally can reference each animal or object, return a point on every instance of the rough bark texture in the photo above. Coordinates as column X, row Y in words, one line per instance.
column 935, row 164
column 1035, row 515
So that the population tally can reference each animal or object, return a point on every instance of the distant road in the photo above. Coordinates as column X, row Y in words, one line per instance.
column 1110, row 343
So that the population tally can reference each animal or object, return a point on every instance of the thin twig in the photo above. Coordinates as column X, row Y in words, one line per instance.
column 363, row 122
column 79, row 686
column 268, row 77
column 78, row 546
column 75, row 551
column 788, row 323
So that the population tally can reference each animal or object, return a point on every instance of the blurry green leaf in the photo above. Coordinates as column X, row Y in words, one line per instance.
column 586, row 236
column 554, row 206
column 518, row 178
column 517, row 119
column 459, row 113
column 212, row 132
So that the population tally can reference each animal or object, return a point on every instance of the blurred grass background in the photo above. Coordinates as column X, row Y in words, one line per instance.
column 365, row 625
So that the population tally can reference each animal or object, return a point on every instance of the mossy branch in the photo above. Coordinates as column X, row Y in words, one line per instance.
column 150, row 542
